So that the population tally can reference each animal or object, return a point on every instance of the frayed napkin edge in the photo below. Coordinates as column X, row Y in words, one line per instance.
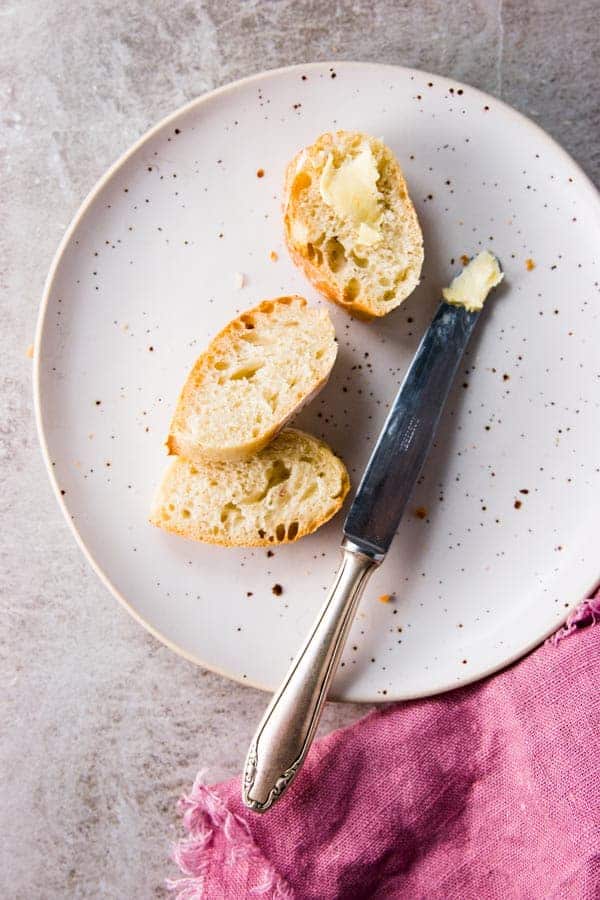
column 206, row 817
column 587, row 613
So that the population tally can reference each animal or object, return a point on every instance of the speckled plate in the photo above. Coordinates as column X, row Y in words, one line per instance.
column 501, row 540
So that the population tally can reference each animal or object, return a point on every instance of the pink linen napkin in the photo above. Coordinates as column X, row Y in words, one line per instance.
column 490, row 791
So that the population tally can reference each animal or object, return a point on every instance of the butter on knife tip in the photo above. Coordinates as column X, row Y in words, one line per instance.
column 471, row 287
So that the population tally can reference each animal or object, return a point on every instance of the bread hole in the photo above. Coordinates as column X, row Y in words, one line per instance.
column 272, row 400
column 401, row 276
column 310, row 490
column 165, row 516
column 267, row 306
column 193, row 470
column 261, row 533
column 215, row 529
column 336, row 255
column 285, row 301
column 172, row 507
column 320, row 354
column 389, row 295
column 292, row 531
column 292, row 323
column 381, row 163
column 314, row 254
column 251, row 337
column 248, row 321
column 280, row 532
column 277, row 473
column 255, row 431
column 351, row 290
column 221, row 365
column 227, row 510
column 359, row 261
column 213, row 483
column 307, row 459
column 248, row 372
column 185, row 513
column 271, row 538
column 301, row 182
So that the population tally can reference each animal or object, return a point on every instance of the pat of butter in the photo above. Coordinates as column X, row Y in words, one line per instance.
column 471, row 287
column 367, row 235
column 351, row 191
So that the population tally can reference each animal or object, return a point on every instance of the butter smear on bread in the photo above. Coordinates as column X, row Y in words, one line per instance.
column 351, row 191
column 471, row 287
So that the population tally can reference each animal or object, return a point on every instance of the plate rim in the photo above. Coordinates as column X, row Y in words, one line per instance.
column 523, row 120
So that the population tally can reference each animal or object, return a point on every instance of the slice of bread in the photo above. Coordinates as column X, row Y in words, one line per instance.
column 350, row 224
column 287, row 490
column 254, row 376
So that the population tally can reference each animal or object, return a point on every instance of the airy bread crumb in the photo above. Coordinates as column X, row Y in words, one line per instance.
column 253, row 377
column 285, row 491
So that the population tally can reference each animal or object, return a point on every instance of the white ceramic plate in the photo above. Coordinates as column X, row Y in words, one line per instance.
column 146, row 275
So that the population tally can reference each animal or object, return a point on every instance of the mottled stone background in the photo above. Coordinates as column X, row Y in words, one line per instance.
column 102, row 727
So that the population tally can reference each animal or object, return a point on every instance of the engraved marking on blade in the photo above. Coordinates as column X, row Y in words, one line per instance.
column 409, row 433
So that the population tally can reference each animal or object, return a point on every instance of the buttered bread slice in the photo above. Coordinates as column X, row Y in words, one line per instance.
column 350, row 224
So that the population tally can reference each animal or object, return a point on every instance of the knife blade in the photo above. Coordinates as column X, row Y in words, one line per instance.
column 408, row 432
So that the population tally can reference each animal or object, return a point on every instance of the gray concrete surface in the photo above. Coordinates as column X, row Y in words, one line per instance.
column 102, row 727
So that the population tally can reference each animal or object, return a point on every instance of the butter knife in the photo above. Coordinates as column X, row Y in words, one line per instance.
column 287, row 728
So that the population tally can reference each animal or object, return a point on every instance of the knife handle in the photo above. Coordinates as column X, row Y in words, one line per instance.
column 288, row 726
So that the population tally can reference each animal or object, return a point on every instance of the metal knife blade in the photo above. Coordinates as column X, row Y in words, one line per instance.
column 406, row 436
